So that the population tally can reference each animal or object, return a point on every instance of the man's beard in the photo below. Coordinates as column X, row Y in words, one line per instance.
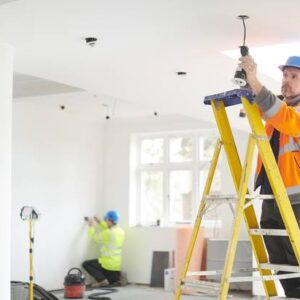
column 291, row 99
column 284, row 90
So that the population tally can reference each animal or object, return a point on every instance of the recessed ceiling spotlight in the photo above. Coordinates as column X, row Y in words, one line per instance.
column 181, row 73
column 91, row 41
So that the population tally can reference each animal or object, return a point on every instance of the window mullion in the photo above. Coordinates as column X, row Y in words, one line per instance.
column 138, row 175
column 196, row 172
column 138, row 197
column 166, row 185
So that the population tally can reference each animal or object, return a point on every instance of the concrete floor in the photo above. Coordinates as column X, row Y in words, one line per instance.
column 137, row 292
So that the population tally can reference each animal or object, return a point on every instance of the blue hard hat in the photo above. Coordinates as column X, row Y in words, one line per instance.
column 112, row 215
column 292, row 61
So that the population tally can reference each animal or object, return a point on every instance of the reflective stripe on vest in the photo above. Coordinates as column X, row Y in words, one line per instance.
column 109, row 254
column 273, row 110
column 293, row 190
column 291, row 146
column 111, row 249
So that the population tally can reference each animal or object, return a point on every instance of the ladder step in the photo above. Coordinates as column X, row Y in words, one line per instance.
column 223, row 198
column 208, row 286
column 220, row 272
column 202, row 286
column 264, row 278
column 205, row 273
column 275, row 232
column 286, row 268
column 233, row 197
column 259, row 197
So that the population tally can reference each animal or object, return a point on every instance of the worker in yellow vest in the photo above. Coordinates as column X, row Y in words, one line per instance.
column 110, row 236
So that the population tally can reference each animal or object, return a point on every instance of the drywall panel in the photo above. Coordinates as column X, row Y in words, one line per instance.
column 57, row 168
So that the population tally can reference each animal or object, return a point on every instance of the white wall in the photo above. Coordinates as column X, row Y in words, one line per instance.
column 57, row 167
column 140, row 242
column 6, row 79
column 69, row 167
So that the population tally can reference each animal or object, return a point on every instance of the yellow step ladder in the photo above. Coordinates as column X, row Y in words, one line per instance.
column 243, row 203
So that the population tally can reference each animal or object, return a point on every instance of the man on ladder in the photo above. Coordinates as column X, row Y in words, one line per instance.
column 283, row 129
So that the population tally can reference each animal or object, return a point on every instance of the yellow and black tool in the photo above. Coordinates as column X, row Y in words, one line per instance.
column 240, row 77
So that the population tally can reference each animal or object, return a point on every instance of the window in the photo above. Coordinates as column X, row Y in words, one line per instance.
column 181, row 149
column 168, row 176
column 151, row 196
column 152, row 151
column 181, row 195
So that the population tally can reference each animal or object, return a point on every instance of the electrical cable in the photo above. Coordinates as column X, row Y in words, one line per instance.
column 100, row 294
column 96, row 296
column 244, row 25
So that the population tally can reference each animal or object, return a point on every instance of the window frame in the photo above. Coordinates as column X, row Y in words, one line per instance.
column 195, row 166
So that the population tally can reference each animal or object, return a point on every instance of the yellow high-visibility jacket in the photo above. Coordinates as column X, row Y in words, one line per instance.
column 286, row 119
column 111, row 241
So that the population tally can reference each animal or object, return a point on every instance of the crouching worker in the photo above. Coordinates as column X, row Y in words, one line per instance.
column 110, row 237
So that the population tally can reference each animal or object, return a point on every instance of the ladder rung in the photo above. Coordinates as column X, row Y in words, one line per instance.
column 202, row 286
column 275, row 232
column 220, row 272
column 234, row 197
column 214, row 286
column 218, row 197
column 252, row 197
column 205, row 273
column 264, row 278
column 259, row 197
column 287, row 268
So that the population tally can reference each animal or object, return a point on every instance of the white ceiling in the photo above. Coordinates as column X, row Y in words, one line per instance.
column 5, row 1
column 31, row 86
column 142, row 44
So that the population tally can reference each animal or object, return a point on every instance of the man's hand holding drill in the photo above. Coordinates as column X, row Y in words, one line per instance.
column 92, row 221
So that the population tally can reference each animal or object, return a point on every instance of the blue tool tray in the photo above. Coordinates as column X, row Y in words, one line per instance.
column 231, row 97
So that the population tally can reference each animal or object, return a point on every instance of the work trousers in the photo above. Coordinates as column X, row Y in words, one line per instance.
column 279, row 248
column 99, row 273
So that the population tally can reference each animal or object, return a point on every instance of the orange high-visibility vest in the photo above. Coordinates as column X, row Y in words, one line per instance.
column 286, row 119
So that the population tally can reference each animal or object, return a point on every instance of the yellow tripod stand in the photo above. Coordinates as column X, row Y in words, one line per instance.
column 244, row 202
column 30, row 214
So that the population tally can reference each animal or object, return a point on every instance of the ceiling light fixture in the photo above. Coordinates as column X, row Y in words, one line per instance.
column 91, row 41
column 181, row 73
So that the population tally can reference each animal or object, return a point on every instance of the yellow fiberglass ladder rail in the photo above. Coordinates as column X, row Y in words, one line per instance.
column 244, row 208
